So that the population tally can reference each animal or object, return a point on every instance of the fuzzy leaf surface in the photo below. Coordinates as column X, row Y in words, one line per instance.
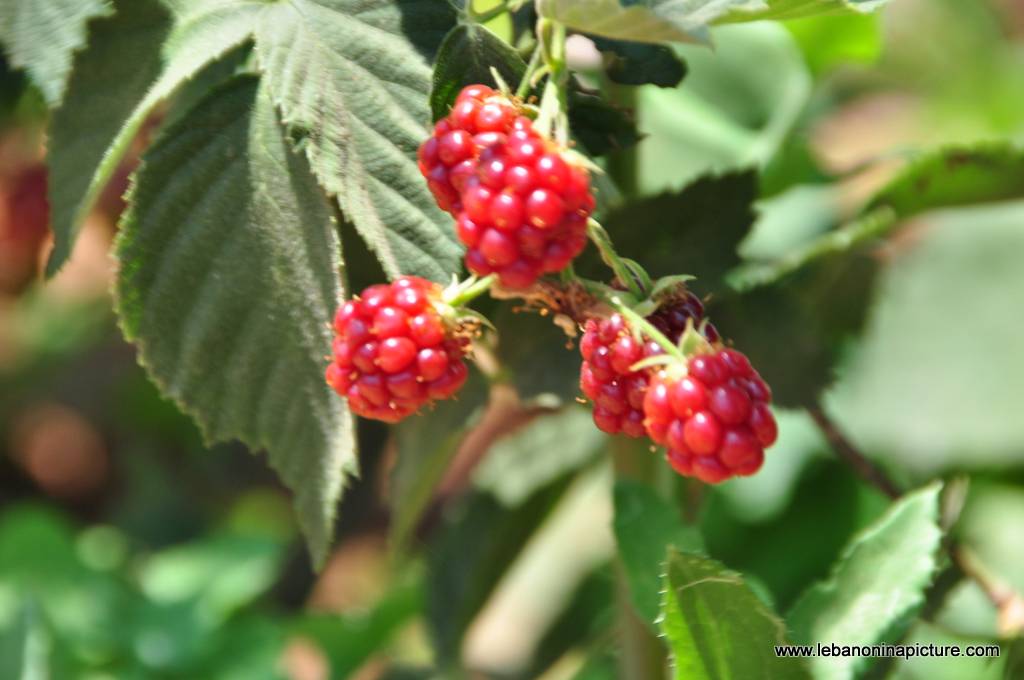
column 717, row 628
column 352, row 80
column 229, row 267
column 135, row 60
column 41, row 36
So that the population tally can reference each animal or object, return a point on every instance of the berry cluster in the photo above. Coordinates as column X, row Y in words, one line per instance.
column 393, row 352
column 521, row 205
column 609, row 351
column 713, row 418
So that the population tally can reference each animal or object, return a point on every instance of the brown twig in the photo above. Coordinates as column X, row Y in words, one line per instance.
column 845, row 449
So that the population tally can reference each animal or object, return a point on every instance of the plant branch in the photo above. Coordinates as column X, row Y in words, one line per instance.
column 849, row 453
column 967, row 561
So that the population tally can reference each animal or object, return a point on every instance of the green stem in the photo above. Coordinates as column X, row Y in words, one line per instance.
column 641, row 324
column 554, row 104
column 524, row 85
column 471, row 290
column 603, row 241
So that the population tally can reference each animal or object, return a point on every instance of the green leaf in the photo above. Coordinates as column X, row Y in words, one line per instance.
column 735, row 110
column 539, row 453
column 656, row 21
column 599, row 666
column 956, row 176
column 229, row 270
column 634, row 63
column 810, row 539
column 39, row 560
column 24, row 644
column 135, row 60
column 946, row 668
column 598, row 125
column 466, row 56
column 41, row 36
column 536, row 354
column 717, row 628
column 652, row 21
column 470, row 51
column 351, row 79
column 953, row 177
column 426, row 446
column 833, row 40
column 646, row 526
column 794, row 330
column 693, row 231
column 585, row 622
column 892, row 562
column 966, row 263
column 219, row 574
column 821, row 292
column 757, row 10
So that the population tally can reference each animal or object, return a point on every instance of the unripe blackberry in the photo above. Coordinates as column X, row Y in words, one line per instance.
column 393, row 352
column 713, row 418
column 609, row 351
column 521, row 203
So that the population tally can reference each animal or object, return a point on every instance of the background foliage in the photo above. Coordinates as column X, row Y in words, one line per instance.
column 846, row 183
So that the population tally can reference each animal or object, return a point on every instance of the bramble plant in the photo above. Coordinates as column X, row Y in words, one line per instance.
column 539, row 302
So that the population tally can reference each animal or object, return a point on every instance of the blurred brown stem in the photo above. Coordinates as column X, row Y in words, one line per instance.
column 849, row 453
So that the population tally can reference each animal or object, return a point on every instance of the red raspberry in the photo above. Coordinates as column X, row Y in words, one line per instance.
column 393, row 352
column 609, row 350
column 714, row 420
column 521, row 205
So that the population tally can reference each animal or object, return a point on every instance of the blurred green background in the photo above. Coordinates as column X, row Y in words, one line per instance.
column 128, row 549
